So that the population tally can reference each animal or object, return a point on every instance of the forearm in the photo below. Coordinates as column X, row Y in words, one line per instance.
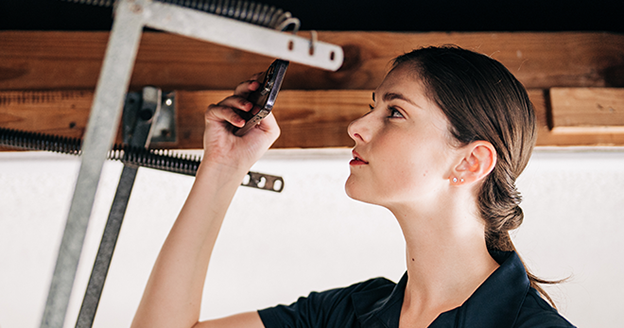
column 172, row 297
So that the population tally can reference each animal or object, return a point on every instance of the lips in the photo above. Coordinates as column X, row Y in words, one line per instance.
column 357, row 159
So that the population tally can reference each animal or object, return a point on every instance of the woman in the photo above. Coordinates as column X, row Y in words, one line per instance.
column 447, row 136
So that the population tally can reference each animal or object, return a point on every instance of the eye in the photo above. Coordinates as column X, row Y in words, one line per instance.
column 394, row 113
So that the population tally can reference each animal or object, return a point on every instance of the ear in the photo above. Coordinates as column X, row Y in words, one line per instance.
column 478, row 160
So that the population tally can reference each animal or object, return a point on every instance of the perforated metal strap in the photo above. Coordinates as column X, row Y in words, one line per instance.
column 243, row 36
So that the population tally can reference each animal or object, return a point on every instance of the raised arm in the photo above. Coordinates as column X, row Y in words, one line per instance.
column 172, row 297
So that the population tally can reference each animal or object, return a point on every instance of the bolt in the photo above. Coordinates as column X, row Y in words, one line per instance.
column 137, row 9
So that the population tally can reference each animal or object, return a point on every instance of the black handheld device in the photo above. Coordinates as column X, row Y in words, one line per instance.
column 265, row 96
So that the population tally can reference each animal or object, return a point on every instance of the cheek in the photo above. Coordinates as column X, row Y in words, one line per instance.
column 404, row 176
column 405, row 166
column 414, row 169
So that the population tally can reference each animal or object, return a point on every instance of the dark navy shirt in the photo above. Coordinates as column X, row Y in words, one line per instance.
column 505, row 299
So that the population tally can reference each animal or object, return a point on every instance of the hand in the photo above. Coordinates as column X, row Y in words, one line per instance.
column 221, row 146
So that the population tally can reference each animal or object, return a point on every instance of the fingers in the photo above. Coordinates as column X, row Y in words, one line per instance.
column 245, row 88
column 229, row 108
column 264, row 134
column 236, row 102
column 221, row 113
column 269, row 124
column 233, row 108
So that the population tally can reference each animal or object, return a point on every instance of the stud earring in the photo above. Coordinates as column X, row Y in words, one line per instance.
column 454, row 180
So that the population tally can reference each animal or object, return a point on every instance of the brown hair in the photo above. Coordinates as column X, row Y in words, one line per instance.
column 483, row 101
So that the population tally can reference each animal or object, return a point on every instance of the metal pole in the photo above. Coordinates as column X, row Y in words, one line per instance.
column 139, row 135
column 107, row 247
column 101, row 128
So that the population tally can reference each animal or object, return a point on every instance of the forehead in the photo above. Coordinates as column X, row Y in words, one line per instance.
column 404, row 83
column 403, row 80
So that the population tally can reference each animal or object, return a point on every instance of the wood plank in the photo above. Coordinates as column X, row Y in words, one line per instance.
column 587, row 108
column 62, row 113
column 71, row 60
column 308, row 119
column 549, row 137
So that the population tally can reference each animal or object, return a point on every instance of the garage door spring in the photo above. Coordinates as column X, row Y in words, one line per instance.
column 160, row 159
column 246, row 11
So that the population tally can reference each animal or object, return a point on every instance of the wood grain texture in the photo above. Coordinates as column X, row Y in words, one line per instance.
column 547, row 136
column 62, row 113
column 308, row 118
column 72, row 60
column 587, row 107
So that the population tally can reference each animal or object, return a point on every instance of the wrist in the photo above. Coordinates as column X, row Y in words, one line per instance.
column 221, row 173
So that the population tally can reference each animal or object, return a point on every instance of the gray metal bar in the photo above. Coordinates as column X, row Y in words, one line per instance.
column 101, row 128
column 138, row 135
column 107, row 247
column 241, row 35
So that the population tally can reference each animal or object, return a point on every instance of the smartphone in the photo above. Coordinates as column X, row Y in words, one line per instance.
column 264, row 97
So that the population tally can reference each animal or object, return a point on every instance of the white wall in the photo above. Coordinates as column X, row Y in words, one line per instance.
column 276, row 247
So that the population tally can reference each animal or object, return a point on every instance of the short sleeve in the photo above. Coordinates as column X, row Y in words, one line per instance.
column 331, row 308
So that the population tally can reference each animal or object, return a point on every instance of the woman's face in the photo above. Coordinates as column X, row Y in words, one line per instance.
column 402, row 146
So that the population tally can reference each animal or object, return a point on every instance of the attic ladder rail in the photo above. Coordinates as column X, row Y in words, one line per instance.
column 130, row 18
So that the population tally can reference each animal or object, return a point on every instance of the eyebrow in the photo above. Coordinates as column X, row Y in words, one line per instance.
column 391, row 96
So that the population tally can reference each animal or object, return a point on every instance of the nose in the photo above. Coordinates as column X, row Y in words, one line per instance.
column 358, row 130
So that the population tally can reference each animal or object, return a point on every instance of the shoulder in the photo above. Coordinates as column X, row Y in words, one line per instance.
column 536, row 312
column 336, row 295
column 333, row 307
column 375, row 285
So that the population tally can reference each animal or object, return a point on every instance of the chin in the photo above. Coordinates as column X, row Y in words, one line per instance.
column 350, row 188
column 356, row 192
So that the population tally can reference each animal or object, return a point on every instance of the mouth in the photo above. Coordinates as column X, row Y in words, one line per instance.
column 357, row 159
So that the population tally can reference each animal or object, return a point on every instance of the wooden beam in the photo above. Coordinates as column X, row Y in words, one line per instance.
column 72, row 60
column 308, row 119
column 587, row 108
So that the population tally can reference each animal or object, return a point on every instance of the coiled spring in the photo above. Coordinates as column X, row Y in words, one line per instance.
column 246, row 11
column 160, row 159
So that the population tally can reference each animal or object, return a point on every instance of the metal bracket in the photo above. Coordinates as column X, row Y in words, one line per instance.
column 139, row 112
column 164, row 125
column 239, row 35
column 263, row 181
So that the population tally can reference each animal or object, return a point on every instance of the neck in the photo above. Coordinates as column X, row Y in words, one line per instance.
column 447, row 260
